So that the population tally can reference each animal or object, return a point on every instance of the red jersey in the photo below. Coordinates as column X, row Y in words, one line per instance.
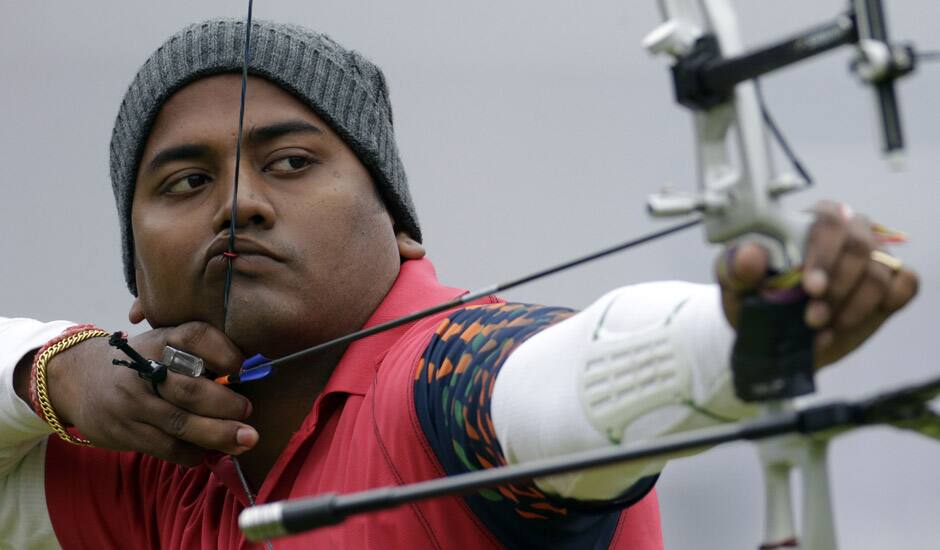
column 363, row 432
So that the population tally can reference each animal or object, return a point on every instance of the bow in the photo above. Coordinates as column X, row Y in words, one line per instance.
column 713, row 75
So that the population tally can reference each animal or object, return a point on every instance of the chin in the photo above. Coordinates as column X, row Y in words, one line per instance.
column 272, row 333
column 256, row 335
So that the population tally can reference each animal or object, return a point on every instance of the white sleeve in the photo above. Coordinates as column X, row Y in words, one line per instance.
column 24, row 518
column 641, row 362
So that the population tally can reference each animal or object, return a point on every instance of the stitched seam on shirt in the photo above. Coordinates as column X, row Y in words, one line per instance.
column 398, row 478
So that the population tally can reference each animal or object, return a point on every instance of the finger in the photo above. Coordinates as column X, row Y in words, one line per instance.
column 853, row 260
column 904, row 286
column 147, row 439
column 210, row 344
column 739, row 270
column 833, row 345
column 226, row 436
column 818, row 314
column 822, row 343
column 742, row 268
column 826, row 238
column 846, row 276
column 866, row 298
column 204, row 397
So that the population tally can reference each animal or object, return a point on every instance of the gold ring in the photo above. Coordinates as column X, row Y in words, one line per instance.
column 887, row 260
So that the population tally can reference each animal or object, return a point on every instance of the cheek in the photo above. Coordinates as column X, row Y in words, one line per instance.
column 163, row 255
column 352, row 221
column 345, row 234
column 153, row 246
column 340, row 207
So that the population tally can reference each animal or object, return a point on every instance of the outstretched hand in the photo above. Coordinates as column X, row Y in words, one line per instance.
column 851, row 293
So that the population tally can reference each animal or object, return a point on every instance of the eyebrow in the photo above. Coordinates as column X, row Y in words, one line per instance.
column 280, row 129
column 195, row 151
column 186, row 151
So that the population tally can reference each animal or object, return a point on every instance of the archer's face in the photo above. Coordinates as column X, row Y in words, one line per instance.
column 317, row 251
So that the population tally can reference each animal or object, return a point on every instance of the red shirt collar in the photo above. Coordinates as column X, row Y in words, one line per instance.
column 415, row 288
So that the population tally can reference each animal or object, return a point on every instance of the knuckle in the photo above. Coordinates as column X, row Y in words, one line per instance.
column 845, row 321
column 879, row 276
column 125, row 392
column 186, row 390
column 860, row 242
column 176, row 422
column 232, row 358
column 190, row 335
column 838, row 293
column 827, row 218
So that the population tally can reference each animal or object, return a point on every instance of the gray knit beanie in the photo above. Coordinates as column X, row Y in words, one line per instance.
column 340, row 85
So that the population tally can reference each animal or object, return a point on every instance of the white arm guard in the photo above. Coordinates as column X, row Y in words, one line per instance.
column 641, row 362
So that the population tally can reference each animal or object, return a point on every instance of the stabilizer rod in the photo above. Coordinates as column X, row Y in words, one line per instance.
column 903, row 407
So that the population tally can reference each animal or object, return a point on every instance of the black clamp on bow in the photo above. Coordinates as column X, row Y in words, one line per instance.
column 148, row 369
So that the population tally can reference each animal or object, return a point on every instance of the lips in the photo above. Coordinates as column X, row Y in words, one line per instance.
column 248, row 252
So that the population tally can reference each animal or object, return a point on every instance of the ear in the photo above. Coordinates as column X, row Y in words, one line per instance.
column 136, row 314
column 408, row 248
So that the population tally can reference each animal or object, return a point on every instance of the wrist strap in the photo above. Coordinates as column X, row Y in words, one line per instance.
column 38, row 389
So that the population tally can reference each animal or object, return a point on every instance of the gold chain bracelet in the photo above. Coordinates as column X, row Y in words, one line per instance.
column 42, row 392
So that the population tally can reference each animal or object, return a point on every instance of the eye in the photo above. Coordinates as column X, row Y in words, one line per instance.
column 187, row 183
column 287, row 165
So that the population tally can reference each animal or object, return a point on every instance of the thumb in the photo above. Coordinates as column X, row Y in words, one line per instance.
column 742, row 268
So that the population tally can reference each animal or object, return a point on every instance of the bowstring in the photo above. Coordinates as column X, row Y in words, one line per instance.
column 233, row 221
column 233, row 217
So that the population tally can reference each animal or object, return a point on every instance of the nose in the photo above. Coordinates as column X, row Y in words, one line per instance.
column 252, row 206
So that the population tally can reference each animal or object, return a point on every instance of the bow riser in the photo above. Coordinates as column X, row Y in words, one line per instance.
column 739, row 202
column 742, row 202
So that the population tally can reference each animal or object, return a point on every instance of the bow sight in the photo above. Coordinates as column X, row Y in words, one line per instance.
column 704, row 78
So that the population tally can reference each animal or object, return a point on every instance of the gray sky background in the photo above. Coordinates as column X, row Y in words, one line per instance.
column 532, row 132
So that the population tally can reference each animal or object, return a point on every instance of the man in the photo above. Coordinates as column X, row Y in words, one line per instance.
column 327, row 241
